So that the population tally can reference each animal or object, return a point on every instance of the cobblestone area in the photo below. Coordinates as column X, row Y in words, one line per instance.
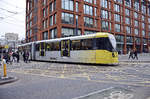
column 128, row 74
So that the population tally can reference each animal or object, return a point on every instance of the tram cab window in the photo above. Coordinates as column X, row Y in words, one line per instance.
column 104, row 44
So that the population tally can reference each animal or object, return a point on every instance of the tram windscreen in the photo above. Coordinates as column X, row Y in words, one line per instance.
column 104, row 44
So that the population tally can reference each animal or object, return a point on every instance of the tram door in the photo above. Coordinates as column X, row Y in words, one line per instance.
column 42, row 49
column 65, row 48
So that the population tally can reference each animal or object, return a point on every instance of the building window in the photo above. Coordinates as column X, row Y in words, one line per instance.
column 143, row 18
column 129, row 39
column 128, row 30
column 128, row 3
column 51, row 8
column 119, row 38
column 117, row 17
column 88, row 9
column 55, row 18
column 44, row 13
column 67, row 18
column 105, row 25
column 54, row 4
column 136, row 23
column 53, row 33
column 127, row 12
column 143, row 25
column 149, row 27
column 45, row 35
column 77, row 7
column 44, row 2
column 143, row 9
column 103, row 3
column 67, row 4
column 136, row 31
column 136, row 5
column 117, row 8
column 117, row 28
column 67, row 32
column 135, row 15
column 88, row 22
column 89, row 1
column 45, row 24
column 86, row 32
column 51, row 20
column 143, row 33
column 148, row 10
column 119, row 1
column 127, row 21
column 104, row 14
column 95, row 10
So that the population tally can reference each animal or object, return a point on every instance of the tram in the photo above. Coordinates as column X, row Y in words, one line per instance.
column 99, row 48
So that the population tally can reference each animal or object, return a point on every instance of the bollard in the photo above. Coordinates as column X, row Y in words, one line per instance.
column 4, row 68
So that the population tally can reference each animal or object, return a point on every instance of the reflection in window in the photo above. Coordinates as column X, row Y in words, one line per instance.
column 128, row 30
column 88, row 9
column 117, row 28
column 117, row 17
column 136, row 31
column 67, row 4
column 67, row 18
column 53, row 33
column 66, row 32
column 88, row 22
column 104, row 14
column 105, row 25
column 104, row 3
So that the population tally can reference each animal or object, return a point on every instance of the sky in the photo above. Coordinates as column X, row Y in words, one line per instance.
column 12, row 17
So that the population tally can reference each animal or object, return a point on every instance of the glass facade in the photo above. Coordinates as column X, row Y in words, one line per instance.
column 75, row 17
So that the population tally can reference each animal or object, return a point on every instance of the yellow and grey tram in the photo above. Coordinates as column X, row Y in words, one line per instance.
column 99, row 48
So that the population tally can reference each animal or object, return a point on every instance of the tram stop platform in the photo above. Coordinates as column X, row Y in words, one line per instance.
column 142, row 58
column 5, row 80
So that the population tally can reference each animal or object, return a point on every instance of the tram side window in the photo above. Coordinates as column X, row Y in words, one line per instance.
column 53, row 46
column 86, row 44
column 37, row 47
column 47, row 46
column 104, row 44
column 76, row 45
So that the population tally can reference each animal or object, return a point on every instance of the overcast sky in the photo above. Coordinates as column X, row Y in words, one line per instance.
column 12, row 17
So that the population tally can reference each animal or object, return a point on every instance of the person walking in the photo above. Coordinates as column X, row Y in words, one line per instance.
column 24, row 56
column 17, row 56
column 135, row 54
column 131, row 54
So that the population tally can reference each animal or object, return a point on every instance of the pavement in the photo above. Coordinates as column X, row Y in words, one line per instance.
column 142, row 58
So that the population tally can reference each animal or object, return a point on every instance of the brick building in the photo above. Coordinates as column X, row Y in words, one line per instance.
column 128, row 20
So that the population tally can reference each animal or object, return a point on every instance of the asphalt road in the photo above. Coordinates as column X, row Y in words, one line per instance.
column 41, row 80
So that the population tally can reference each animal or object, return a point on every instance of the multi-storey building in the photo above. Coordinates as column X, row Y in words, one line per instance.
column 128, row 20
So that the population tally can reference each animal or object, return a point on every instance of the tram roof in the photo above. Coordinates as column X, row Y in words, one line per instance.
column 99, row 34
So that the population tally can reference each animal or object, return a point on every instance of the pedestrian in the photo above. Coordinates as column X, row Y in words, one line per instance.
column 17, row 56
column 135, row 54
column 24, row 56
column 131, row 54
